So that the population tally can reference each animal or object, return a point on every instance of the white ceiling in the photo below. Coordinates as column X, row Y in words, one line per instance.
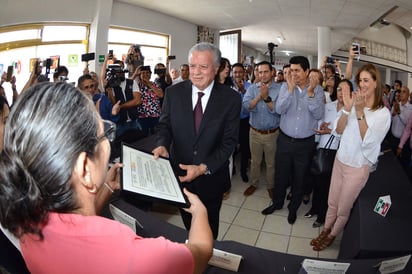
column 262, row 21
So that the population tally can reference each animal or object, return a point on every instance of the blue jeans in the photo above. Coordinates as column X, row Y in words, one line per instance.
column 126, row 126
column 148, row 125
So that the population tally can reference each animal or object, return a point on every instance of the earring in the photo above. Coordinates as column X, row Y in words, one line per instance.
column 93, row 189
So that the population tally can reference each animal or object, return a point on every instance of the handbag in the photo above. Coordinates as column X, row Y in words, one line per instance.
column 322, row 162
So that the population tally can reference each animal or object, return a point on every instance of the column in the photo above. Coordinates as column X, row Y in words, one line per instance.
column 99, row 31
column 310, row 58
column 324, row 42
column 387, row 76
column 409, row 54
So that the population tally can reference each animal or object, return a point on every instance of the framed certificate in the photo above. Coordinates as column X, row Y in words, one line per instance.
column 149, row 178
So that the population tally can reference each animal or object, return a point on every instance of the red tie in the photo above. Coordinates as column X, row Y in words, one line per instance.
column 198, row 111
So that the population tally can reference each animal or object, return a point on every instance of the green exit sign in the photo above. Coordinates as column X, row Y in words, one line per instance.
column 101, row 58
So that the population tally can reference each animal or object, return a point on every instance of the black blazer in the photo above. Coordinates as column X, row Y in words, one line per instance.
column 215, row 142
column 10, row 258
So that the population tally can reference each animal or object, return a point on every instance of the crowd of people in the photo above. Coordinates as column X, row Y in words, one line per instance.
column 202, row 116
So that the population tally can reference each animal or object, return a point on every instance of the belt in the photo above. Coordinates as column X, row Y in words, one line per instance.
column 296, row 139
column 265, row 131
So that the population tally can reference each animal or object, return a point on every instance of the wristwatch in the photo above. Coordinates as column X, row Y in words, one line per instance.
column 268, row 99
column 207, row 172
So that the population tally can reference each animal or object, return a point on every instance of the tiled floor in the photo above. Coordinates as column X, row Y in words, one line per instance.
column 241, row 220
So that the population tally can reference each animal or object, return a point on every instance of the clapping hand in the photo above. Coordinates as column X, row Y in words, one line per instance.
column 289, row 80
column 348, row 98
column 323, row 129
column 264, row 90
column 359, row 100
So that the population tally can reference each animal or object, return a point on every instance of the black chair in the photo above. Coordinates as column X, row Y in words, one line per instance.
column 130, row 137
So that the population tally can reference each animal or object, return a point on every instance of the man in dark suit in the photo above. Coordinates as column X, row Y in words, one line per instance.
column 200, row 146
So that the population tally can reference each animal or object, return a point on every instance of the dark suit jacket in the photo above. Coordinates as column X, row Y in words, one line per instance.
column 215, row 142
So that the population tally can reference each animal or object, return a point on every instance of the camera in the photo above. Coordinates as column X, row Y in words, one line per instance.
column 112, row 75
column 330, row 60
column 160, row 71
column 62, row 78
column 88, row 56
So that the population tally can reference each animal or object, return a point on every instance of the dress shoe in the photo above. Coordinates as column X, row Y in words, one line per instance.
column 306, row 199
column 309, row 214
column 270, row 209
column 270, row 192
column 245, row 178
column 289, row 196
column 249, row 191
column 292, row 217
column 317, row 224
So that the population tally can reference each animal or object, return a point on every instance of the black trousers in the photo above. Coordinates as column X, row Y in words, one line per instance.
column 244, row 147
column 213, row 211
column 320, row 195
column 292, row 155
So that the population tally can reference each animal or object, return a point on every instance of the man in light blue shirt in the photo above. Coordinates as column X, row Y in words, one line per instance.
column 240, row 85
column 301, row 105
column 260, row 100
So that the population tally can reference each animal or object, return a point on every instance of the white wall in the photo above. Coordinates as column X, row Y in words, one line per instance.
column 390, row 35
column 183, row 34
column 29, row 11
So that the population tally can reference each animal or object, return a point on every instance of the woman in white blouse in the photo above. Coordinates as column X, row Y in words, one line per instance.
column 329, row 141
column 363, row 124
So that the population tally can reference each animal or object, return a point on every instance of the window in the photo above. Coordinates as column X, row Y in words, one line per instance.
column 22, row 43
column 64, row 33
column 154, row 46
column 230, row 45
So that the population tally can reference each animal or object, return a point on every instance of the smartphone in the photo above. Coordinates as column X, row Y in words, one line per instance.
column 160, row 71
column 111, row 54
column 330, row 60
column 356, row 48
column 88, row 56
column 171, row 57
column 9, row 73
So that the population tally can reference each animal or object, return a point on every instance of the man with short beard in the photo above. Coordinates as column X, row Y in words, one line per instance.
column 260, row 100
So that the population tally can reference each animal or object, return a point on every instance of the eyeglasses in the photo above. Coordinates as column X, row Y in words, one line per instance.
column 109, row 131
column 89, row 86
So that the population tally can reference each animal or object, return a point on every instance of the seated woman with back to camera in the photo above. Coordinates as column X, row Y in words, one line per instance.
column 54, row 182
